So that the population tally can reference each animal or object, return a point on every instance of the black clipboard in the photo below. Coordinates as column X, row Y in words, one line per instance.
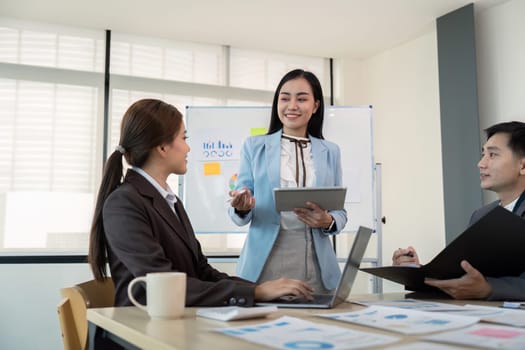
column 328, row 198
column 493, row 245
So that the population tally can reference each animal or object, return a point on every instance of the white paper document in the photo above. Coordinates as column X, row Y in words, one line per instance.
column 231, row 313
column 487, row 336
column 403, row 320
column 293, row 333
column 419, row 345
column 499, row 315
column 412, row 304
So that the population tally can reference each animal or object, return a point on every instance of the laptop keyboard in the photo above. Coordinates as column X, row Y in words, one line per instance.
column 318, row 299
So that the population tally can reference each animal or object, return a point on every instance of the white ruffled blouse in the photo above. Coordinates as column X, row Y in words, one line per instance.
column 289, row 165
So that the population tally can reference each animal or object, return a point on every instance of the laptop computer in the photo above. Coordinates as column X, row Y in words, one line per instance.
column 328, row 301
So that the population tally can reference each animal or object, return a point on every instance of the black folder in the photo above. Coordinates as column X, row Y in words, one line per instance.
column 494, row 245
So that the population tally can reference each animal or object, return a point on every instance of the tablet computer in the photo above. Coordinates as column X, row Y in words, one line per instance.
column 328, row 198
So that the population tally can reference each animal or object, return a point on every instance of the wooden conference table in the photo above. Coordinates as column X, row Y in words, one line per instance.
column 133, row 327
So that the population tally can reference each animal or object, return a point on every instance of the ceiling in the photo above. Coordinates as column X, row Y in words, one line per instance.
column 326, row 28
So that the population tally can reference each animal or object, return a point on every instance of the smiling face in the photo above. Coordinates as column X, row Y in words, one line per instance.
column 295, row 106
column 501, row 170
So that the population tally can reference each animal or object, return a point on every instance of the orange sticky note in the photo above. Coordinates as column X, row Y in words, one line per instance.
column 212, row 168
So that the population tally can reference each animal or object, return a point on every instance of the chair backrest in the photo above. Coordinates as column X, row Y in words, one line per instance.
column 73, row 307
column 67, row 325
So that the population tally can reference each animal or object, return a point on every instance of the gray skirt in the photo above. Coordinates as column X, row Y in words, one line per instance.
column 293, row 256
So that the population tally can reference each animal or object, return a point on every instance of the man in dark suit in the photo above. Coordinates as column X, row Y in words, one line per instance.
column 502, row 170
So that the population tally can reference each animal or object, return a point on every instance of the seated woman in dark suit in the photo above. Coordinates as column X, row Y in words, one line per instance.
column 140, row 226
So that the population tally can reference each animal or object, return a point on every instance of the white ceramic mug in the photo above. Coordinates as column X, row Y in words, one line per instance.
column 165, row 294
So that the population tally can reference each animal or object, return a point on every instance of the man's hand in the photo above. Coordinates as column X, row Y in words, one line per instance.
column 472, row 285
column 407, row 256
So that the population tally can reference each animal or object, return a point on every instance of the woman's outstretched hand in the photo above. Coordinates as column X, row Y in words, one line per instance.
column 242, row 200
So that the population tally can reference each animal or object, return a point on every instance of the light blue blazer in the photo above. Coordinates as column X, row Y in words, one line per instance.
column 260, row 172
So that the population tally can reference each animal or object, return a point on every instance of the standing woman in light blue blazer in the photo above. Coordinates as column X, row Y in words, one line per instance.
column 294, row 244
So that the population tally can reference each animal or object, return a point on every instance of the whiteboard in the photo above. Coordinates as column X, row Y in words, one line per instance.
column 216, row 135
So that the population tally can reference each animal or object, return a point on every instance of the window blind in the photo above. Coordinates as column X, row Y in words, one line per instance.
column 51, row 81
column 49, row 136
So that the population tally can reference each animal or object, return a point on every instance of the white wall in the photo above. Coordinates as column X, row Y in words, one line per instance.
column 501, row 65
column 28, row 303
column 402, row 85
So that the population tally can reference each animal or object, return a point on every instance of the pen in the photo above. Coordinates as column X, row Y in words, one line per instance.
column 409, row 253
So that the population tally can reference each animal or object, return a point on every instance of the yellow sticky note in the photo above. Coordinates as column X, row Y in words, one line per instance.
column 212, row 168
column 258, row 131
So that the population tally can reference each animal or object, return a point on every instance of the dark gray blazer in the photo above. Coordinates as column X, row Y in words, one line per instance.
column 144, row 235
column 503, row 288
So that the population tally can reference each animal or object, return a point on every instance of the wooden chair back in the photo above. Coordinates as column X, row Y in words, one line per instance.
column 73, row 307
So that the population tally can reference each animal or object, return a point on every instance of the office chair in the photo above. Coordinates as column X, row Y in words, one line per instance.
column 73, row 307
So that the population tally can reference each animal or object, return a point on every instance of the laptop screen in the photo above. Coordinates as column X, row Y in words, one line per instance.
column 352, row 265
